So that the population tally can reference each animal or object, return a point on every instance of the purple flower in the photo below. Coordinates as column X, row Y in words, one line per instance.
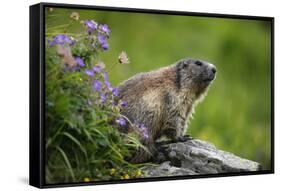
column 103, row 97
column 145, row 133
column 75, row 68
column 51, row 43
column 121, row 121
column 124, row 104
column 80, row 61
column 115, row 91
column 105, row 76
column 68, row 40
column 103, row 41
column 91, row 25
column 89, row 72
column 143, row 130
column 101, row 38
column 97, row 69
column 61, row 39
column 104, row 46
column 104, row 28
column 97, row 85
column 107, row 84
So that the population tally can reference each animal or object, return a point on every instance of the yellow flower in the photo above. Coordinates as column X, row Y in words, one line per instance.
column 75, row 16
column 126, row 176
column 112, row 171
column 86, row 179
column 138, row 173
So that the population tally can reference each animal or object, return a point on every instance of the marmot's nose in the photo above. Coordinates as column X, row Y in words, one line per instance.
column 214, row 70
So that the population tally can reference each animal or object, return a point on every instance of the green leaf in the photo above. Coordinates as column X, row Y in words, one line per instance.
column 66, row 162
column 75, row 141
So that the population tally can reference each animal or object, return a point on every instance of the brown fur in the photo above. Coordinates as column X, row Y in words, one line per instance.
column 163, row 100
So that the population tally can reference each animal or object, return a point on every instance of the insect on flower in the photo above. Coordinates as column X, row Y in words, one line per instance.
column 123, row 58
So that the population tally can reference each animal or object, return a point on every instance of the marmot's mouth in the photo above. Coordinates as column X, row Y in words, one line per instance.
column 209, row 79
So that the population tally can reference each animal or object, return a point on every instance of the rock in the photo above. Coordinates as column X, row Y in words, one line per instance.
column 197, row 157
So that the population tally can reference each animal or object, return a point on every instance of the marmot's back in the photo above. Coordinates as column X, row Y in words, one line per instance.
column 139, row 83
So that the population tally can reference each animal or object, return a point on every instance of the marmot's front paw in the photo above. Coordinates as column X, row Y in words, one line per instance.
column 159, row 158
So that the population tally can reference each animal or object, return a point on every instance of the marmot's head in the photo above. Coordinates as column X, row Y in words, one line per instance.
column 195, row 75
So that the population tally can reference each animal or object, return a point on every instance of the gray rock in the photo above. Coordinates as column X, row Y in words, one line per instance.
column 165, row 169
column 197, row 157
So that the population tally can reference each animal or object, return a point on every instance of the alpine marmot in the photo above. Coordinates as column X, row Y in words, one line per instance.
column 163, row 100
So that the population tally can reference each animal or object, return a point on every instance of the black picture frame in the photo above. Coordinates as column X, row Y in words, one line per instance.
column 37, row 93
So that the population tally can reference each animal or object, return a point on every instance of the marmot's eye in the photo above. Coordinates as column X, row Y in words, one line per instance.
column 198, row 63
column 184, row 64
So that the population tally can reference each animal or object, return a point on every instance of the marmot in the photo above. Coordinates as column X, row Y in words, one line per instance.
column 163, row 100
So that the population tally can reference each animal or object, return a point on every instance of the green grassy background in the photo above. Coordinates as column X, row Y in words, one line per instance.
column 235, row 115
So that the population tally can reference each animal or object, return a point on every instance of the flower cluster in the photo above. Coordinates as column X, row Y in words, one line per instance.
column 97, row 77
column 121, row 174
column 102, row 32
column 107, row 93
column 61, row 39
column 88, row 104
